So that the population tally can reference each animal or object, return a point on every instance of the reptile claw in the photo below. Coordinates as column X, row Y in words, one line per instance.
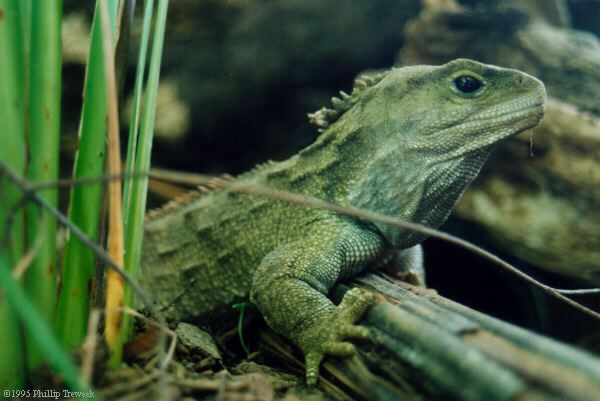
column 339, row 348
column 351, row 331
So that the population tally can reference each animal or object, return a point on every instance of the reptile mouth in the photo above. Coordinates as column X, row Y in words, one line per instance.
column 473, row 126
column 536, row 107
column 505, row 125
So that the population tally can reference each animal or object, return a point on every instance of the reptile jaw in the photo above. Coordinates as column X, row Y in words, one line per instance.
column 504, row 126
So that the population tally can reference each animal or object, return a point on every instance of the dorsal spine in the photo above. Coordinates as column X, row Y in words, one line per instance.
column 324, row 117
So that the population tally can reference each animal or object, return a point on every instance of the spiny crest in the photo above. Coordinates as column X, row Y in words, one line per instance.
column 324, row 117
column 172, row 205
column 186, row 199
column 258, row 167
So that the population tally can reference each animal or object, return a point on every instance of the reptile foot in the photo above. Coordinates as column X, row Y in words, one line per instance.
column 327, row 336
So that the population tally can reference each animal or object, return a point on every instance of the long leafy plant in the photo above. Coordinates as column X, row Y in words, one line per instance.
column 55, row 318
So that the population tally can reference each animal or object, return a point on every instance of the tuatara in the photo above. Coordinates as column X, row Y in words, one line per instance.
column 405, row 143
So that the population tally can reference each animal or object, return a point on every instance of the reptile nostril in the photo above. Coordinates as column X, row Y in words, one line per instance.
column 520, row 80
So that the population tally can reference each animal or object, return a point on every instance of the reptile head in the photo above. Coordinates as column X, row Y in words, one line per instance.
column 432, row 129
column 461, row 107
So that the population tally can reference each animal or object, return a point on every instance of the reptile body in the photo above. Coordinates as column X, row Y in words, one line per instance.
column 405, row 143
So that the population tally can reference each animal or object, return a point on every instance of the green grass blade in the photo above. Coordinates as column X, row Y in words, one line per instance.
column 12, row 152
column 86, row 201
column 135, row 227
column 25, row 12
column 134, row 122
column 45, row 64
column 12, row 365
column 39, row 329
column 12, row 114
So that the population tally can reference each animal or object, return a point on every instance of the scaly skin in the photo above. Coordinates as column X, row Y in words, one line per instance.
column 405, row 144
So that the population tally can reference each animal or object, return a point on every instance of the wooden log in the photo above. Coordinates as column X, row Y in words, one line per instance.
column 424, row 346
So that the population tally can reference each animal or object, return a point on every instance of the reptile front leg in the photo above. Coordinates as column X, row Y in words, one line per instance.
column 291, row 284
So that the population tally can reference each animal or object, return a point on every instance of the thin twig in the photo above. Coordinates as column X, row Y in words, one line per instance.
column 134, row 313
column 88, row 347
column 251, row 189
column 24, row 263
column 581, row 291
column 75, row 181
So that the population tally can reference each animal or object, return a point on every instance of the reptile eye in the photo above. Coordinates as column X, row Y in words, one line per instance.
column 467, row 84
